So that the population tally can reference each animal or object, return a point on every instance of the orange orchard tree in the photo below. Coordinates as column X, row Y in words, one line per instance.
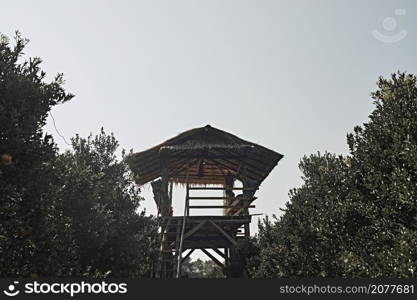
column 34, row 237
column 71, row 214
column 354, row 216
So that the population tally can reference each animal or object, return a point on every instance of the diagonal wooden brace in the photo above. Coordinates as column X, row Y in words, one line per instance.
column 215, row 260
column 192, row 230
column 232, row 240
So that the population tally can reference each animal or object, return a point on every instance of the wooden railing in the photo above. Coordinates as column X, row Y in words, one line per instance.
column 235, row 205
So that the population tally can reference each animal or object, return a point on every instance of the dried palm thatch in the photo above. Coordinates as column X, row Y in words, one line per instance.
column 203, row 155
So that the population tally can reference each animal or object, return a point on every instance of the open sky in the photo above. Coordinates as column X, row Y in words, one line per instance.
column 294, row 76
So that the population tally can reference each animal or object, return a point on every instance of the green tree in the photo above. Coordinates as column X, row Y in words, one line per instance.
column 70, row 214
column 354, row 216
column 306, row 241
column 102, row 201
column 383, row 173
column 34, row 236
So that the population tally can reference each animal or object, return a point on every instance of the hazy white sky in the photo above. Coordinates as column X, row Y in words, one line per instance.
column 294, row 76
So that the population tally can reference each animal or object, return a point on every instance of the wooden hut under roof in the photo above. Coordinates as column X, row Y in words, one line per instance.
column 210, row 159
column 205, row 156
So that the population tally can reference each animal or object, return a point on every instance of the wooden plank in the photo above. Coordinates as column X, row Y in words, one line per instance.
column 218, row 241
column 236, row 207
column 227, row 259
column 187, row 200
column 164, row 230
column 234, row 221
column 221, row 254
column 238, row 222
column 215, row 260
column 223, row 189
column 194, row 229
column 232, row 240
column 213, row 244
column 187, row 255
column 207, row 245
column 198, row 219
column 177, row 244
column 223, row 198
column 218, row 206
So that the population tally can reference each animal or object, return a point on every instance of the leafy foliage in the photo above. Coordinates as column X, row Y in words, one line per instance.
column 70, row 214
column 28, row 242
column 354, row 216
column 102, row 201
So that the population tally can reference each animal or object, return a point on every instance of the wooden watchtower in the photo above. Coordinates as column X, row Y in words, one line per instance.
column 204, row 160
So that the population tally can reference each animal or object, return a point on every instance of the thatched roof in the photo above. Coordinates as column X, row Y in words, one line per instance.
column 204, row 156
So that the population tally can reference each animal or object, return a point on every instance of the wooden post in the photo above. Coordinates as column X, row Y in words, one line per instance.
column 177, row 244
column 228, row 192
column 248, row 185
column 166, row 199
column 186, row 213
column 187, row 199
column 226, row 262
column 164, row 213
column 161, row 263
column 170, row 192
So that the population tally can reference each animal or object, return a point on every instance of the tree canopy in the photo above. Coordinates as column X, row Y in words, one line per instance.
column 355, row 215
column 70, row 214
